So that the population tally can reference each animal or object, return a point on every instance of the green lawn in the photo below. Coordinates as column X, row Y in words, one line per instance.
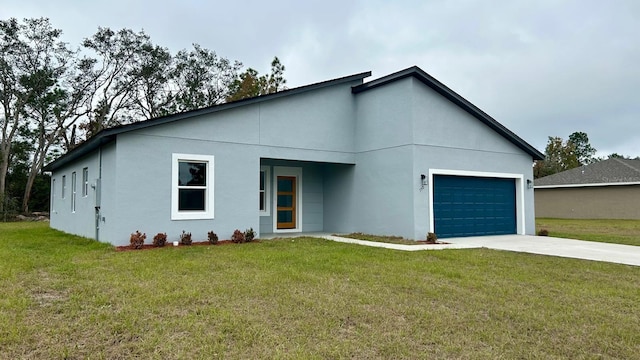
column 68, row 297
column 611, row 231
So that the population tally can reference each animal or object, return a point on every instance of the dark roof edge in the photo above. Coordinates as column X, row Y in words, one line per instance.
column 455, row 98
column 108, row 135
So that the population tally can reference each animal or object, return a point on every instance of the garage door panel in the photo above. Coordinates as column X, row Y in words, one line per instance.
column 472, row 206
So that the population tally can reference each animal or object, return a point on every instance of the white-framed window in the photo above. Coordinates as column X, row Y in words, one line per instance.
column 64, row 186
column 192, row 187
column 85, row 182
column 73, row 191
column 265, row 195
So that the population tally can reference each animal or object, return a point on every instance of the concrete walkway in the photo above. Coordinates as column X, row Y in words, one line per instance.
column 543, row 245
column 578, row 249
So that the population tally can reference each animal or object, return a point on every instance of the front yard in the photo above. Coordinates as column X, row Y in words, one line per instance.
column 610, row 231
column 68, row 297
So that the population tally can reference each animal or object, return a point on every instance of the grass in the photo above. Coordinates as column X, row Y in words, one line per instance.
column 69, row 297
column 610, row 231
column 379, row 238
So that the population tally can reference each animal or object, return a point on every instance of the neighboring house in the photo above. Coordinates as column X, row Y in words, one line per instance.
column 401, row 155
column 608, row 189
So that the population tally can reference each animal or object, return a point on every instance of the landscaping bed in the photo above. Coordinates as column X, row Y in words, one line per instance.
column 390, row 239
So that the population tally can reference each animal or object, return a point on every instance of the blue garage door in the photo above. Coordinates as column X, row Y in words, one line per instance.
column 473, row 206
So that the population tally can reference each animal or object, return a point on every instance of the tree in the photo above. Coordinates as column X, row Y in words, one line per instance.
column 276, row 81
column 12, row 96
column 44, row 64
column 583, row 150
column 154, row 97
column 559, row 156
column 202, row 78
column 115, row 73
column 250, row 84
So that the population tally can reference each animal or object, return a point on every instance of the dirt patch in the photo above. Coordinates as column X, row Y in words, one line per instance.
column 170, row 245
column 425, row 242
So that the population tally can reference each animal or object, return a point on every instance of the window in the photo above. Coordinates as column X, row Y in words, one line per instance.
column 64, row 185
column 53, row 195
column 85, row 182
column 73, row 191
column 192, row 187
column 264, row 191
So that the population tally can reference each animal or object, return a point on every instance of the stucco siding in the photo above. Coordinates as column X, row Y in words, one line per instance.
column 307, row 127
column 323, row 120
column 340, row 208
column 384, row 117
column 144, row 165
column 108, row 192
column 81, row 221
column 312, row 194
column 440, row 123
column 603, row 202
column 383, row 198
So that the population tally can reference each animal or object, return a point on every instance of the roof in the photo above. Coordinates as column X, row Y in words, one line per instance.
column 609, row 172
column 455, row 98
column 108, row 135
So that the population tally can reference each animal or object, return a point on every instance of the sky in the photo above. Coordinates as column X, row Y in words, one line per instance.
column 541, row 68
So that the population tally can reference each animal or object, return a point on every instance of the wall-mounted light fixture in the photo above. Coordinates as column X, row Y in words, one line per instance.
column 529, row 184
column 423, row 181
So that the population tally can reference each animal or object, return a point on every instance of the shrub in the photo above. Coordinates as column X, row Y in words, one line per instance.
column 432, row 238
column 237, row 237
column 160, row 240
column 185, row 238
column 137, row 240
column 249, row 235
column 543, row 232
column 213, row 237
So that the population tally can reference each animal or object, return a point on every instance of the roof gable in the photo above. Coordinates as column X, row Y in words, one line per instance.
column 110, row 134
column 607, row 172
column 455, row 98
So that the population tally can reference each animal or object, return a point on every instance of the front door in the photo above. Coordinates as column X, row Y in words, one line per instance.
column 286, row 202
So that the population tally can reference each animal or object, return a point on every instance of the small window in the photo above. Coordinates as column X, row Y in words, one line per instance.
column 85, row 182
column 53, row 195
column 264, row 191
column 73, row 191
column 192, row 189
column 64, row 186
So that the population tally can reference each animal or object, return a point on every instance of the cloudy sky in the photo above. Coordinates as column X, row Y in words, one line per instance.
column 542, row 68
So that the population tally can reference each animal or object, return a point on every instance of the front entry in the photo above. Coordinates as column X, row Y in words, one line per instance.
column 286, row 202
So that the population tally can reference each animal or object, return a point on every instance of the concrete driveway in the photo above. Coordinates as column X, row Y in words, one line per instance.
column 543, row 245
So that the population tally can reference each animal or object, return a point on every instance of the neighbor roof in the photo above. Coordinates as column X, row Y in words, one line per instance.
column 110, row 134
column 602, row 173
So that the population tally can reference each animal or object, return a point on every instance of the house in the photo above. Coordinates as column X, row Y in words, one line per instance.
column 608, row 189
column 401, row 155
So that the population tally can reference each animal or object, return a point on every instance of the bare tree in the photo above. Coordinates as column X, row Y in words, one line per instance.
column 113, row 93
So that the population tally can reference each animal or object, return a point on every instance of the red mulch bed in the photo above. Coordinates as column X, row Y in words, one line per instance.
column 169, row 244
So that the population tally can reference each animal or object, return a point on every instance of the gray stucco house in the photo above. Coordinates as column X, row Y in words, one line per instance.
column 401, row 155
column 608, row 189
